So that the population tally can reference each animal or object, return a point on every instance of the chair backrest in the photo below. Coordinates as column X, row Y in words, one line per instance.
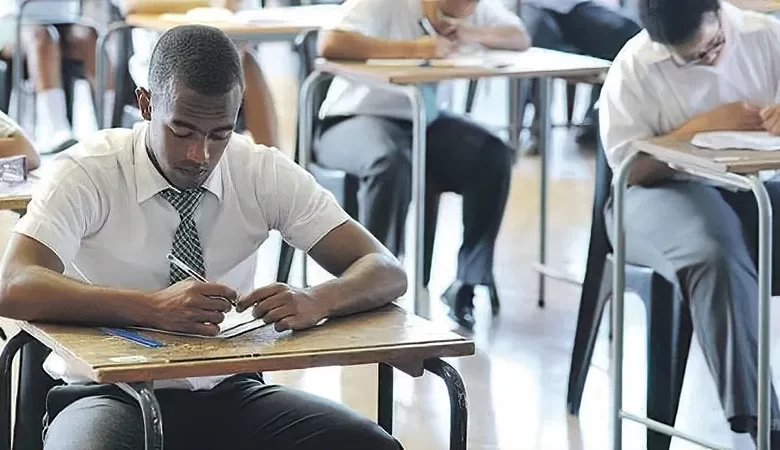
column 305, row 46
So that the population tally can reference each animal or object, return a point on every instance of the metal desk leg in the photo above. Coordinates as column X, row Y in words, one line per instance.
column 10, row 350
column 545, row 88
column 385, row 403
column 17, row 71
column 458, row 404
column 419, row 125
column 618, row 294
column 143, row 393
column 764, row 295
column 515, row 114
column 100, row 82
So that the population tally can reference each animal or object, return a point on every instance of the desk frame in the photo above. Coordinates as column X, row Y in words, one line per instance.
column 748, row 181
column 143, row 393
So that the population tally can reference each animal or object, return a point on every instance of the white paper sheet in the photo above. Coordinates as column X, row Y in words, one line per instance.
column 233, row 325
column 743, row 140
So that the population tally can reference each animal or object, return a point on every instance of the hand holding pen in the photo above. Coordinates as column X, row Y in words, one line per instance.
column 191, row 272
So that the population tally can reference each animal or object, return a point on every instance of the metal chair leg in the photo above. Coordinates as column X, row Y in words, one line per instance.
column 10, row 350
column 458, row 404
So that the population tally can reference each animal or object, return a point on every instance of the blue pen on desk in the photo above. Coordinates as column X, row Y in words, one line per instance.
column 132, row 336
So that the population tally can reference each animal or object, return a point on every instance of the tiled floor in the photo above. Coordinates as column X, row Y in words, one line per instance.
column 517, row 381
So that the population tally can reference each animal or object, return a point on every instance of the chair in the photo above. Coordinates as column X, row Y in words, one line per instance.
column 669, row 327
column 343, row 185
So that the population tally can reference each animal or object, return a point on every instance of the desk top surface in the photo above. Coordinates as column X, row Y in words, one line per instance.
column 387, row 335
column 259, row 22
column 16, row 197
column 686, row 155
column 532, row 63
column 765, row 6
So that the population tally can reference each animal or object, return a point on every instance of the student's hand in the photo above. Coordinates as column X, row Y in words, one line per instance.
column 738, row 116
column 771, row 117
column 467, row 34
column 435, row 47
column 287, row 307
column 191, row 306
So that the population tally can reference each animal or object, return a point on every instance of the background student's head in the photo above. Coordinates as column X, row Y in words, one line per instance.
column 195, row 90
column 692, row 30
column 444, row 14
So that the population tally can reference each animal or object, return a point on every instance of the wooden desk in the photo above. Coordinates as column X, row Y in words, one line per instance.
column 764, row 6
column 16, row 198
column 737, row 168
column 287, row 21
column 403, row 80
column 282, row 24
column 389, row 336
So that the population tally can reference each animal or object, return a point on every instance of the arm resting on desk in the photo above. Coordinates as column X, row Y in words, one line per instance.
column 340, row 44
column 18, row 144
column 501, row 37
column 368, row 275
column 32, row 287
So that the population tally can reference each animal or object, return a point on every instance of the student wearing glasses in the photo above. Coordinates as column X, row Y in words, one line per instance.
column 699, row 65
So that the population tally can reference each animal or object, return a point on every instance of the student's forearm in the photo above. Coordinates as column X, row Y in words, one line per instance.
column 338, row 44
column 20, row 145
column 38, row 294
column 506, row 38
column 370, row 282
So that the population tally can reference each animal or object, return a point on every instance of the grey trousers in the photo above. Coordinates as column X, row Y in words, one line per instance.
column 461, row 157
column 704, row 240
column 242, row 413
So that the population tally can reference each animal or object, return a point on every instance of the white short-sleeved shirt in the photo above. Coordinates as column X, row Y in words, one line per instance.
column 559, row 6
column 99, row 210
column 399, row 20
column 8, row 127
column 645, row 94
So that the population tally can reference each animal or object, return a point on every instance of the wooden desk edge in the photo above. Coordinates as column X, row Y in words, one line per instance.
column 158, row 23
column 353, row 69
column 657, row 149
column 217, row 367
column 77, row 364
column 14, row 202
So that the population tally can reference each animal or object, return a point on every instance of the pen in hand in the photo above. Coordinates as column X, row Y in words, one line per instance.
column 191, row 272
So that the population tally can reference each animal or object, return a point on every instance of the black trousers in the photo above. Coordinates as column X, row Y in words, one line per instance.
column 241, row 413
column 462, row 157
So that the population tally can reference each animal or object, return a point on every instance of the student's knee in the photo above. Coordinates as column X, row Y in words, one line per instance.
column 394, row 163
column 710, row 259
column 96, row 423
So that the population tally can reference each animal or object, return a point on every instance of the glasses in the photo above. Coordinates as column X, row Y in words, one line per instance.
column 13, row 169
column 707, row 54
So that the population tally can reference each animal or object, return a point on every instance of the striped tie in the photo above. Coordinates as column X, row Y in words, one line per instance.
column 186, row 243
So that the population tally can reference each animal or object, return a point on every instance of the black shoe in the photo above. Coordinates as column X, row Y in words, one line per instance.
column 459, row 298
column 588, row 135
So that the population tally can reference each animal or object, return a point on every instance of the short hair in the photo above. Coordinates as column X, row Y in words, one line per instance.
column 674, row 22
column 200, row 57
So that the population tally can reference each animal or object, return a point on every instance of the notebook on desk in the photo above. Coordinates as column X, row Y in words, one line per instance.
column 464, row 61
column 737, row 140
column 233, row 325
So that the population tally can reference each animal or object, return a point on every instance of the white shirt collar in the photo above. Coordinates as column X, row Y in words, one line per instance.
column 148, row 180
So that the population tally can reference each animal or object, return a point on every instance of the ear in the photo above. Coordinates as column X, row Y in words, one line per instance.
column 144, row 99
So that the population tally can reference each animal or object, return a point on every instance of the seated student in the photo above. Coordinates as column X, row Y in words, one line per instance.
column 14, row 142
column 44, row 47
column 591, row 27
column 700, row 65
column 461, row 156
column 259, row 113
column 183, row 182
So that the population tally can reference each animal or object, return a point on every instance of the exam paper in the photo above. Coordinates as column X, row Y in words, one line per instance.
column 233, row 325
column 732, row 140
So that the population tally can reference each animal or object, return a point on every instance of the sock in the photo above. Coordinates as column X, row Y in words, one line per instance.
column 52, row 117
column 109, row 97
